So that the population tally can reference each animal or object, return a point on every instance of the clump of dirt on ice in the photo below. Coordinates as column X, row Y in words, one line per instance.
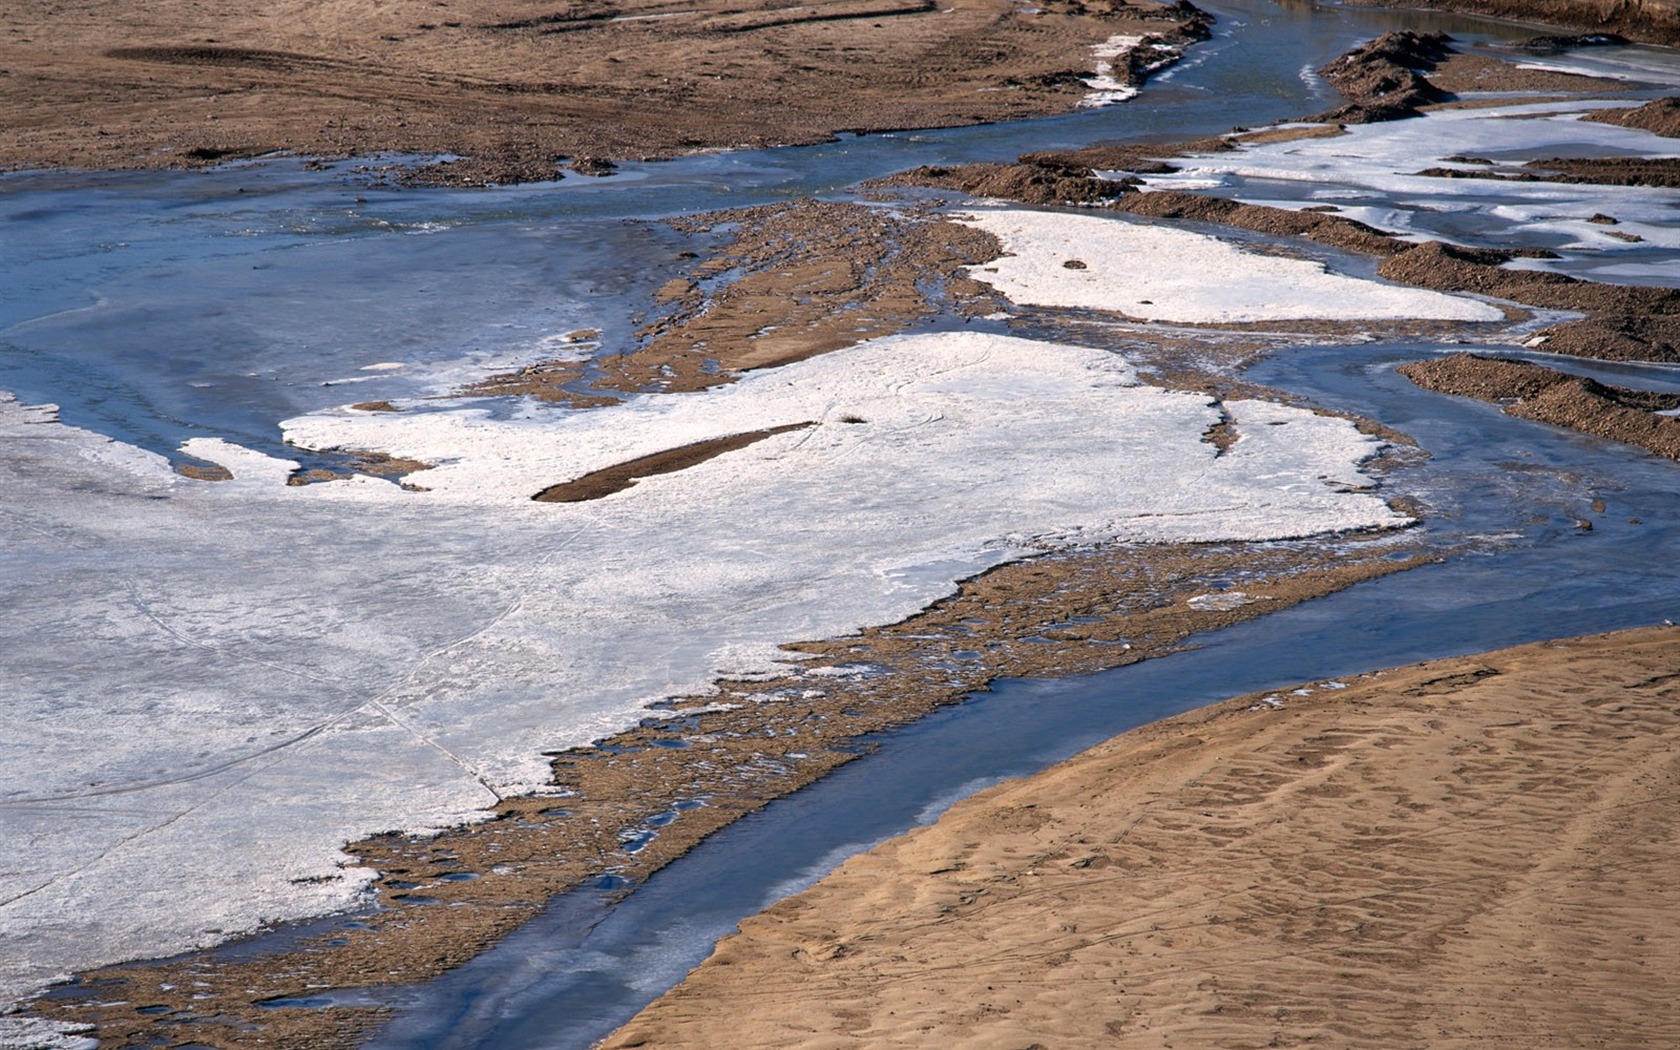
column 1384, row 80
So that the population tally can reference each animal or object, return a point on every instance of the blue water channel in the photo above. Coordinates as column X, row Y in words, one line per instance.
column 158, row 307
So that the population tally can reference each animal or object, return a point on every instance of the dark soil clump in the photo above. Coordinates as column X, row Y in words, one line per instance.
column 1027, row 183
column 1384, row 79
column 1315, row 226
column 1659, row 116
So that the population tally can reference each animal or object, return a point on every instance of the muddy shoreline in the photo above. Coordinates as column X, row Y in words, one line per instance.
column 509, row 91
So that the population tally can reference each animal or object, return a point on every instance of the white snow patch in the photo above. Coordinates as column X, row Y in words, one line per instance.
column 1222, row 601
column 1106, row 88
column 33, row 1033
column 1159, row 273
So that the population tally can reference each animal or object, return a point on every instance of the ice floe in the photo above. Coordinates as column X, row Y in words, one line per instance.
column 1159, row 273
column 213, row 685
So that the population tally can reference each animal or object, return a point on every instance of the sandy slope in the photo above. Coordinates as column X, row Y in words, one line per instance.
column 1472, row 852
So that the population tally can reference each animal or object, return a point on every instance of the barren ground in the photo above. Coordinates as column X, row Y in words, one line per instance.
column 513, row 86
column 1473, row 852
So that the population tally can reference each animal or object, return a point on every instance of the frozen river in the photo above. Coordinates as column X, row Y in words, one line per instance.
column 168, row 652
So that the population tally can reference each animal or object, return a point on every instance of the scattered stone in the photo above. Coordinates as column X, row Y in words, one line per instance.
column 595, row 167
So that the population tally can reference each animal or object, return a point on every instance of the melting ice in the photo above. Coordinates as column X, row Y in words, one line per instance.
column 214, row 685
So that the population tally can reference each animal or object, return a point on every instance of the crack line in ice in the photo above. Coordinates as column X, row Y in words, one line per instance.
column 153, row 829
column 186, row 778
column 187, row 639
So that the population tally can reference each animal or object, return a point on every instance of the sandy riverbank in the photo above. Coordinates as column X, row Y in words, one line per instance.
column 515, row 87
column 1469, row 852
column 635, row 781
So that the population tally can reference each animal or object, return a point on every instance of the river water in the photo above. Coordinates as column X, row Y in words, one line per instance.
column 158, row 307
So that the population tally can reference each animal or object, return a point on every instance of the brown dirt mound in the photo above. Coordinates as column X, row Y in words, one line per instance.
column 1532, row 391
column 1139, row 158
column 1383, row 80
column 1610, row 171
column 1028, row 183
column 1659, row 116
column 1617, row 337
column 1447, row 267
column 1315, row 226
column 598, row 484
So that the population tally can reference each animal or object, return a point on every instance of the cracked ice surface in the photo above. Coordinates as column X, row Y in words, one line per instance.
column 210, row 687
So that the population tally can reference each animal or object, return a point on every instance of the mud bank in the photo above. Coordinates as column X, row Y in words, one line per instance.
column 516, row 89
column 1531, row 391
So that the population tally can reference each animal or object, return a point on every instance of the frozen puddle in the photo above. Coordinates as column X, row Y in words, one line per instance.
column 213, row 686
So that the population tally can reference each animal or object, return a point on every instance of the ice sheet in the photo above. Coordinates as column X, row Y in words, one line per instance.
column 213, row 685
column 1371, row 174
column 1163, row 274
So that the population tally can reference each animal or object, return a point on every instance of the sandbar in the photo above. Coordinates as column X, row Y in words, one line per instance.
column 1479, row 851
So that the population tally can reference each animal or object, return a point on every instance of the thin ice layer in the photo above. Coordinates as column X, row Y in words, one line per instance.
column 1158, row 273
column 213, row 685
column 1373, row 173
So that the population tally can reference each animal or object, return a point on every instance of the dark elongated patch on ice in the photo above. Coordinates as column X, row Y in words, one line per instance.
column 620, row 476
